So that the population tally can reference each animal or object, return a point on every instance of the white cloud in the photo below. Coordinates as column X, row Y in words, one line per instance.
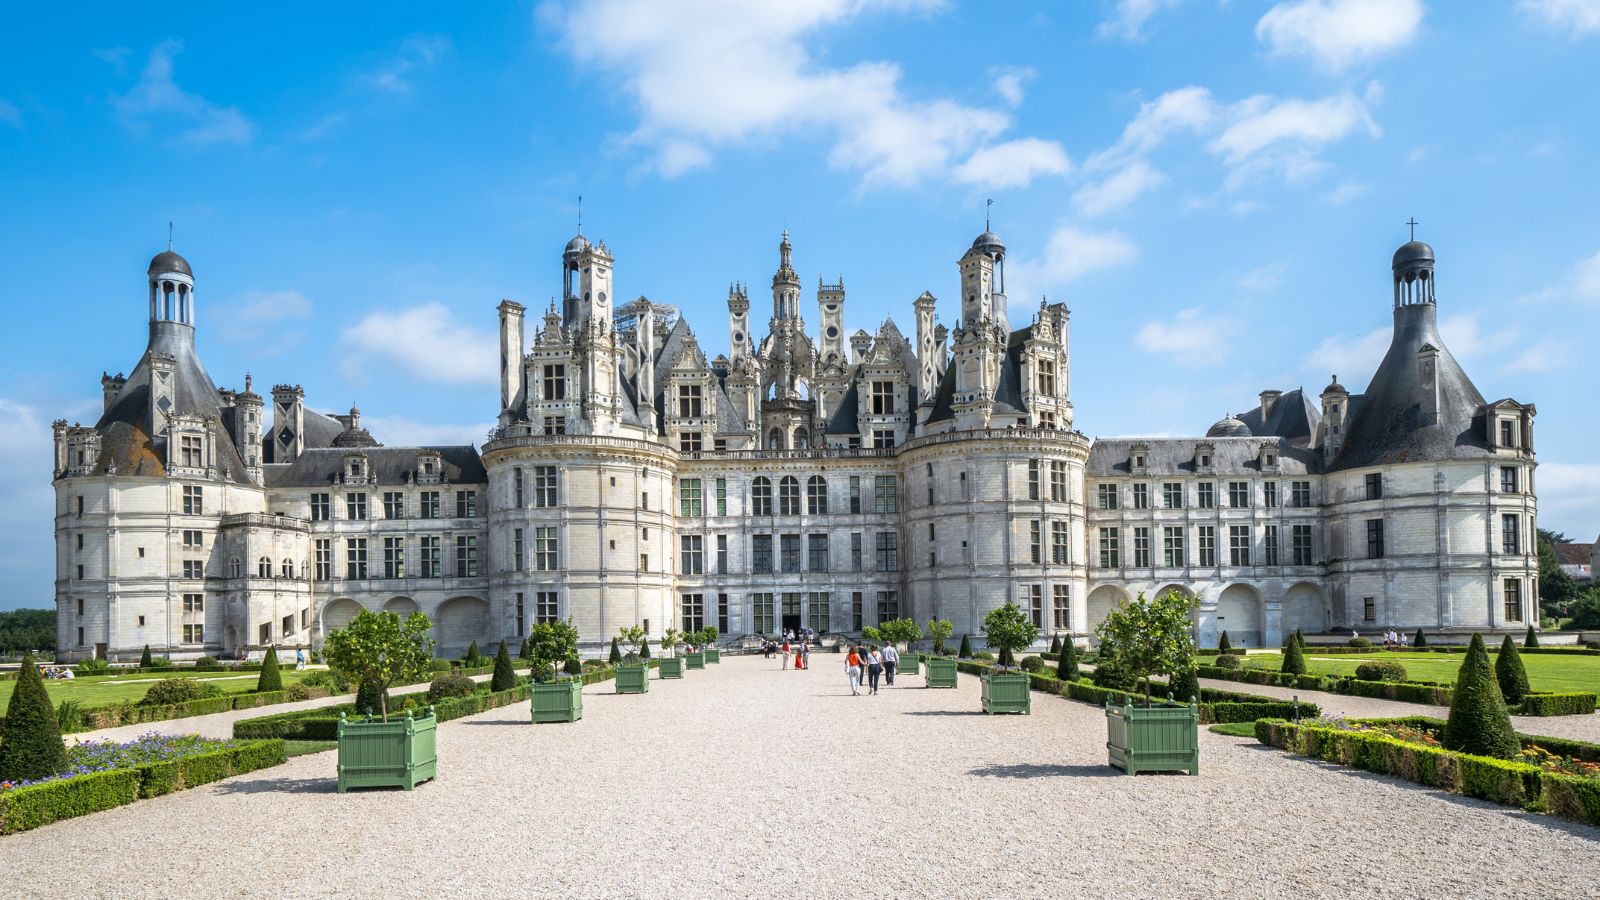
column 1264, row 279
column 1013, row 163
column 1351, row 359
column 1191, row 331
column 1116, row 191
column 10, row 115
column 1545, row 355
column 1069, row 254
column 1008, row 82
column 1337, row 33
column 1271, row 134
column 270, row 321
column 712, row 74
column 1581, row 283
column 158, row 97
column 424, row 341
column 1581, row 17
column 400, row 431
column 1344, row 193
column 1188, row 109
column 416, row 53
column 1569, row 493
column 323, row 127
column 1131, row 17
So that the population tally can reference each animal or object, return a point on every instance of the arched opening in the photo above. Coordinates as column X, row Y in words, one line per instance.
column 230, row 640
column 458, row 622
column 775, row 439
column 1102, row 600
column 338, row 613
column 402, row 606
column 1304, row 608
column 1239, row 613
column 802, row 438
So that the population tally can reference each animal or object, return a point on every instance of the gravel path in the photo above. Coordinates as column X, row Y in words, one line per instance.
column 743, row 780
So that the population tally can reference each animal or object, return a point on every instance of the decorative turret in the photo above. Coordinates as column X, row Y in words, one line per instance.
column 739, row 320
column 513, row 390
column 247, row 424
column 830, row 301
column 1335, row 413
column 785, row 285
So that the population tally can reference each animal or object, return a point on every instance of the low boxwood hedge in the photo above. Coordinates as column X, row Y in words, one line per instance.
column 1215, row 706
column 1320, row 650
column 1556, row 704
column 1497, row 780
column 1425, row 692
column 30, row 807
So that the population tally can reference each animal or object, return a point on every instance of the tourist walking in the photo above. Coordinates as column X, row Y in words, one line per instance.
column 805, row 653
column 891, row 661
column 786, row 654
column 799, row 657
column 852, row 668
column 874, row 668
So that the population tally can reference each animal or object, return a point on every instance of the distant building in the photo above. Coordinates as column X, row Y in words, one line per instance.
column 828, row 482
column 1576, row 560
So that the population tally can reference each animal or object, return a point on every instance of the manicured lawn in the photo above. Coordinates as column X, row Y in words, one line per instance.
column 1235, row 729
column 104, row 690
column 301, row 748
column 1546, row 672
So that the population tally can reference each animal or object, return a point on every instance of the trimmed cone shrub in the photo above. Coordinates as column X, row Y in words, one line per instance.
column 505, row 677
column 1185, row 685
column 473, row 659
column 144, row 658
column 966, row 647
column 1421, row 640
column 1300, row 638
column 371, row 698
column 31, row 748
column 1294, row 658
column 1531, row 641
column 1510, row 673
column 525, row 652
column 270, row 680
column 1067, row 664
column 616, row 652
column 1055, row 644
column 644, row 648
column 574, row 666
column 1479, row 724
column 1224, row 644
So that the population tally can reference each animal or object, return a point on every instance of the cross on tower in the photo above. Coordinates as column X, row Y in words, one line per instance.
column 1413, row 223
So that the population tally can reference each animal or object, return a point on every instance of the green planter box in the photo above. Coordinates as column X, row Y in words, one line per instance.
column 908, row 663
column 1007, row 692
column 1162, row 738
column 558, row 701
column 671, row 667
column 633, row 679
column 713, row 655
column 397, row 753
column 695, row 660
column 941, row 672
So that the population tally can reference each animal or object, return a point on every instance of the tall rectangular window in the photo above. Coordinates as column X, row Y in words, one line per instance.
column 428, row 504
column 1141, row 547
column 191, row 453
column 355, row 506
column 555, row 382
column 1269, row 544
column 1508, row 479
column 1239, row 545
column 545, row 493
column 522, row 616
column 355, row 557
column 761, row 554
column 1206, row 538
column 517, row 488
column 689, row 500
column 1508, row 433
column 466, row 556
column 1172, row 551
column 1110, row 548
column 722, row 613
column 855, row 494
column 694, row 611
column 817, row 552
column 1374, row 483
column 1369, row 609
column 855, row 611
column 888, row 551
column 319, row 508
column 761, row 496
column 1207, row 495
column 789, row 552
column 1059, row 543
column 546, row 606
column 1374, row 539
column 722, row 554
column 722, row 496
column 1300, row 493
column 1238, row 494
column 691, row 442
column 428, row 545
column 882, row 438
column 885, row 497
column 324, row 559
column 1035, row 541
column 689, row 407
column 693, row 553
column 1300, row 544
column 1172, row 495
column 761, row 614
column 1061, row 607
column 1058, row 481
column 1141, row 496
column 1269, row 494
column 1033, row 479
column 817, row 496
column 817, row 612
column 193, row 500
column 394, row 505
column 788, row 496
column 1511, row 588
column 888, row 606
column 466, row 504
column 855, row 551
column 1047, row 377
column 1510, row 534
column 545, row 548
column 518, row 550
column 1033, row 602
column 883, row 398
column 1106, row 496
column 193, row 603
column 394, row 557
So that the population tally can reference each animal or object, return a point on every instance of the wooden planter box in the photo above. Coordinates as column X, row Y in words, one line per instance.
column 713, row 655
column 558, row 701
column 397, row 753
column 1163, row 738
column 908, row 663
column 633, row 679
column 941, row 672
column 671, row 667
column 695, row 660
column 1007, row 692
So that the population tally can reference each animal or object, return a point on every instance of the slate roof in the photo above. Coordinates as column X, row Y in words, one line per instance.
column 1238, row 456
column 322, row 466
column 1294, row 417
column 1574, row 554
column 1007, row 395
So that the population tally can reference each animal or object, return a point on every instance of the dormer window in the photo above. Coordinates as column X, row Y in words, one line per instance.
column 689, row 401
column 191, row 451
column 883, row 398
column 1508, row 433
column 555, row 382
column 1205, row 460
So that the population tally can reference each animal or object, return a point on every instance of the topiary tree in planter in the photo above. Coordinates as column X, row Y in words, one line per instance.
column 379, row 649
column 31, row 747
column 1223, row 644
column 1479, row 723
column 1510, row 673
column 270, row 678
column 1067, row 663
column 1294, row 658
column 669, row 642
column 900, row 631
column 1151, row 637
column 1420, row 640
column 966, row 647
column 144, row 658
column 1531, row 641
column 1008, row 629
column 639, row 647
column 940, row 630
column 505, row 677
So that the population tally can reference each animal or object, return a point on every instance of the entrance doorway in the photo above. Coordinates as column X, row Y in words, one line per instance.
column 791, row 619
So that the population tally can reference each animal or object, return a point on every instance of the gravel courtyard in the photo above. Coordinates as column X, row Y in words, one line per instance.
column 744, row 779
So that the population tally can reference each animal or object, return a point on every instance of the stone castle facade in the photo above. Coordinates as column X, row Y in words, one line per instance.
column 801, row 480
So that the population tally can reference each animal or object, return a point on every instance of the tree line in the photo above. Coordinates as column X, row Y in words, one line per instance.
column 22, row 630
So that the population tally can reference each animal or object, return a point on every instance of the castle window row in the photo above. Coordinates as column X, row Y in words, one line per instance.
column 1241, row 543
column 1206, row 494
column 1032, row 602
column 396, row 505
column 387, row 557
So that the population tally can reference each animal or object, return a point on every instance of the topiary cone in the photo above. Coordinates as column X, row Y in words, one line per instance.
column 1067, row 665
column 965, row 652
column 505, row 677
column 1223, row 644
column 371, row 698
column 270, row 680
column 1185, row 685
column 473, row 657
column 1510, row 673
column 1055, row 644
column 526, row 652
column 144, row 658
column 1294, row 658
column 1420, row 640
column 1531, row 641
column 644, row 649
column 31, row 747
column 1479, row 724
column 616, row 652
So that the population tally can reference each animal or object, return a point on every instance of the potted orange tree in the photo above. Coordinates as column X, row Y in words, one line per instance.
column 1152, row 637
column 556, row 697
column 1007, row 629
column 633, row 673
column 708, row 639
column 671, row 664
column 378, row 649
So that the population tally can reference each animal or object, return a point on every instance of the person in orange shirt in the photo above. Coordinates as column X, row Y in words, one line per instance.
column 852, row 667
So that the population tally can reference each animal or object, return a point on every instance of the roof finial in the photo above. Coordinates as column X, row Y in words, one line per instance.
column 580, row 214
column 1413, row 223
column 986, row 205
column 169, row 236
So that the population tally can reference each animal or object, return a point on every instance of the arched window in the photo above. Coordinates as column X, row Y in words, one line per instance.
column 761, row 496
column 817, row 496
column 775, row 439
column 802, row 438
column 235, row 568
column 264, row 567
column 287, row 570
column 789, row 496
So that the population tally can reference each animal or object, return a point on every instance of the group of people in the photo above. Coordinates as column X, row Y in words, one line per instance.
column 61, row 672
column 798, row 652
column 1391, row 639
column 866, row 665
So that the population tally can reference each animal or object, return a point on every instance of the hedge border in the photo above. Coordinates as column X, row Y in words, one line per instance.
column 1506, row 782
column 1215, row 706
column 25, row 808
column 1340, row 649
column 1428, row 693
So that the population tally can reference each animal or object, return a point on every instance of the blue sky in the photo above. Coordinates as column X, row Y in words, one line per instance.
column 1213, row 187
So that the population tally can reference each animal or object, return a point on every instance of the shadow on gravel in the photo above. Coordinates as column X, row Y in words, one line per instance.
column 280, row 786
column 1031, row 770
column 945, row 712
column 481, row 722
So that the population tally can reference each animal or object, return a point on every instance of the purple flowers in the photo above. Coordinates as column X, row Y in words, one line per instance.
column 103, row 756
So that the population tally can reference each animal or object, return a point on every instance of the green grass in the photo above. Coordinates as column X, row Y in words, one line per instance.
column 104, row 690
column 1546, row 672
column 1235, row 729
column 301, row 748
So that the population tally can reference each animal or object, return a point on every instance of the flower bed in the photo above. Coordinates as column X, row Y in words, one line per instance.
column 1391, row 747
column 108, row 774
column 1428, row 693
column 1215, row 706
